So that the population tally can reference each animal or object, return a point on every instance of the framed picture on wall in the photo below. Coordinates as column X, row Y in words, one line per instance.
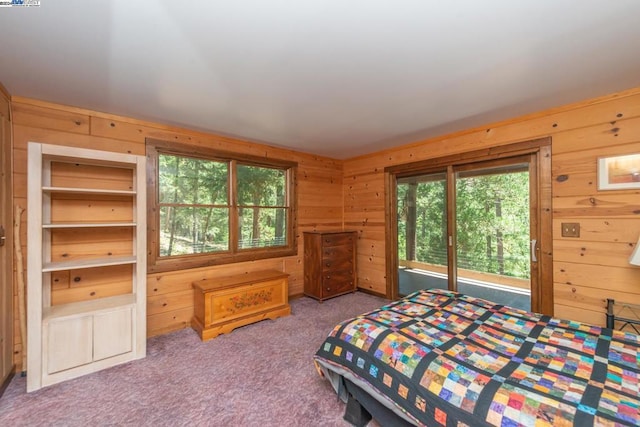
column 619, row 172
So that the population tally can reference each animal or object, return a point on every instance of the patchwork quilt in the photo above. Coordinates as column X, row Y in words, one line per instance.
column 441, row 358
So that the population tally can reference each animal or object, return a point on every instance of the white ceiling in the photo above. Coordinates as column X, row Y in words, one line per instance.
column 331, row 77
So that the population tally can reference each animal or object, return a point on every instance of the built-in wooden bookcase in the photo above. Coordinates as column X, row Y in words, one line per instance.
column 86, row 262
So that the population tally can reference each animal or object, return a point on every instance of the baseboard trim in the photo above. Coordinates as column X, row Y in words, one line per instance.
column 370, row 292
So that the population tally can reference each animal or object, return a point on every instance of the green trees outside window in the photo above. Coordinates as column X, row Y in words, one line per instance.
column 492, row 217
column 210, row 207
column 492, row 222
column 194, row 205
column 261, row 206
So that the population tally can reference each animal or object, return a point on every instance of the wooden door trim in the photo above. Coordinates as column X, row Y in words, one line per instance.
column 6, row 185
column 391, row 235
column 541, row 147
column 545, row 218
column 491, row 153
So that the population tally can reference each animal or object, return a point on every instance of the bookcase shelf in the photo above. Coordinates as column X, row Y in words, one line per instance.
column 87, row 307
column 72, row 190
column 86, row 261
column 89, row 225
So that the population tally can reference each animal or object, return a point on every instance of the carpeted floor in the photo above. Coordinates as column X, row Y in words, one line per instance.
column 259, row 375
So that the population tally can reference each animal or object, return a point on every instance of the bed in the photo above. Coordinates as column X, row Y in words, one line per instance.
column 440, row 358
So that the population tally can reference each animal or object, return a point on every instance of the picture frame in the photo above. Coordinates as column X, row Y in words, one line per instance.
column 619, row 172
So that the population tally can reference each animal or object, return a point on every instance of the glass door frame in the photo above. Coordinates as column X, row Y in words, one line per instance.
column 539, row 158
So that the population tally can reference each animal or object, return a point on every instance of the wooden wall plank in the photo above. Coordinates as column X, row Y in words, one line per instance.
column 598, row 135
column 619, row 230
column 584, row 161
column 601, row 205
column 23, row 134
column 594, row 299
column 580, row 314
column 181, row 280
column 84, row 243
column 169, row 302
column 49, row 118
column 86, row 293
column 90, row 176
column 74, row 208
column 610, row 254
column 618, row 279
column 162, row 323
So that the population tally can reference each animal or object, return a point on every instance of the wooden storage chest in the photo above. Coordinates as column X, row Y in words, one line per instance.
column 223, row 304
column 329, row 263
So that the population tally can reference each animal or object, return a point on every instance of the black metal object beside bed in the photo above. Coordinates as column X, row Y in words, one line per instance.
column 612, row 318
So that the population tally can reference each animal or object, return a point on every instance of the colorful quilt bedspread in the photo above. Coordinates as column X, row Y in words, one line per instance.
column 448, row 359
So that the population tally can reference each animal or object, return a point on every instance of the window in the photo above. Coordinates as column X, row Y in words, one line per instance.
column 208, row 207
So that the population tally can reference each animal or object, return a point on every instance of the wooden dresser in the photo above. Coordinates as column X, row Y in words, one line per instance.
column 223, row 304
column 329, row 263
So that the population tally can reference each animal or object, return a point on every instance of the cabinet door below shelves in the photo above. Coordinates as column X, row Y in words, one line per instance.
column 112, row 333
column 69, row 343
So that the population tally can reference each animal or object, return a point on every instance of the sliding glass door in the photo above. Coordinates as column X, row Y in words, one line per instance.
column 470, row 227
column 422, row 232
column 493, row 232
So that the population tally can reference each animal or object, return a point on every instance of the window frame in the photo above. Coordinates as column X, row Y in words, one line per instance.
column 157, row 263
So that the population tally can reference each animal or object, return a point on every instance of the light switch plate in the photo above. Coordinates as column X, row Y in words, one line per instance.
column 570, row 229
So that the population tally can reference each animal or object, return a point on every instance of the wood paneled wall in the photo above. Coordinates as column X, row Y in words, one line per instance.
column 334, row 194
column 170, row 296
column 586, row 270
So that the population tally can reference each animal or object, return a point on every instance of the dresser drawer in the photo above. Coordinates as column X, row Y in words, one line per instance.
column 337, row 262
column 341, row 251
column 337, row 282
column 340, row 239
column 338, row 278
